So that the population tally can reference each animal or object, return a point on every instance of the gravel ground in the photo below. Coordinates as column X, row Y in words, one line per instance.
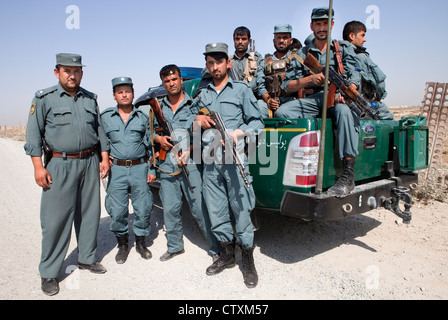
column 367, row 257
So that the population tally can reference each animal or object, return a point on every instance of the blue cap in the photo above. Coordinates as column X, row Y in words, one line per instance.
column 216, row 47
column 121, row 80
column 283, row 28
column 69, row 59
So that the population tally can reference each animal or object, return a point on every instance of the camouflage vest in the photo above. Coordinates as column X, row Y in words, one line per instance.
column 275, row 72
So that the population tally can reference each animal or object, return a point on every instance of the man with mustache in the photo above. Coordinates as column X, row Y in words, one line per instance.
column 127, row 129
column 298, row 78
column 245, row 62
column 225, row 192
column 66, row 119
column 176, row 108
column 271, row 72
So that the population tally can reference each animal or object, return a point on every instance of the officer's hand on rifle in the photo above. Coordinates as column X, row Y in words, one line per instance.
column 274, row 103
column 164, row 142
column 206, row 122
column 318, row 79
column 238, row 133
column 151, row 178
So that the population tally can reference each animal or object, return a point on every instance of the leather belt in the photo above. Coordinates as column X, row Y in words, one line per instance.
column 78, row 155
column 130, row 163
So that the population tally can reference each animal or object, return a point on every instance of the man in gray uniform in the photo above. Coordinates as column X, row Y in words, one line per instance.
column 373, row 84
column 176, row 109
column 225, row 192
column 66, row 118
column 245, row 62
column 271, row 72
column 127, row 129
column 298, row 78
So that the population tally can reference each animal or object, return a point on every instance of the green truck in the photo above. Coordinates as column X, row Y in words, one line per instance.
column 285, row 163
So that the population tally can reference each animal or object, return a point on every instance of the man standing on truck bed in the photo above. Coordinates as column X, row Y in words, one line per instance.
column 224, row 189
column 343, row 59
column 373, row 85
column 245, row 62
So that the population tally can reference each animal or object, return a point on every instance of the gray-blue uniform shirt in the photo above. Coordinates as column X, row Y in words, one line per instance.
column 130, row 141
column 239, row 65
column 68, row 124
column 298, row 71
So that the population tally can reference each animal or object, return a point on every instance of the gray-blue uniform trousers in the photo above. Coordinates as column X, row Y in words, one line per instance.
column 347, row 122
column 261, row 86
column 224, row 189
column 128, row 141
column 239, row 65
column 370, row 74
column 172, row 185
column 69, row 125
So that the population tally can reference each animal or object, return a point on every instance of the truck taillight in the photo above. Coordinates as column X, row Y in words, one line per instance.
column 301, row 160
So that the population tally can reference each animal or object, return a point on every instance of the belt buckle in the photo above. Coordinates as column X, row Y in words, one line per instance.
column 128, row 163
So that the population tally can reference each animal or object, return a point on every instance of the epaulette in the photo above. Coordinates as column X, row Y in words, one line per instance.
column 42, row 93
column 107, row 110
column 90, row 94
column 140, row 111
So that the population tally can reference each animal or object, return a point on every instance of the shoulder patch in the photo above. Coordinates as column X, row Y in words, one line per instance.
column 42, row 93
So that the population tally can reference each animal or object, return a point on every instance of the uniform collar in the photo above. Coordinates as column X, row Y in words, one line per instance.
column 229, row 83
column 187, row 99
column 245, row 55
column 62, row 91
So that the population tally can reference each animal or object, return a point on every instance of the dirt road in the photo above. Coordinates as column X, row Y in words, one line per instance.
column 364, row 257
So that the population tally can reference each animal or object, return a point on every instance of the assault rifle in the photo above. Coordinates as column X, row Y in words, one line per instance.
column 167, row 129
column 354, row 99
column 228, row 139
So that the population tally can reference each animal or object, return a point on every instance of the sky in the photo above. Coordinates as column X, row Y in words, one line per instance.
column 137, row 38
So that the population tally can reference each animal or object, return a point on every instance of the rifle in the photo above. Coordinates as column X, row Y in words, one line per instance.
column 227, row 138
column 354, row 99
column 167, row 129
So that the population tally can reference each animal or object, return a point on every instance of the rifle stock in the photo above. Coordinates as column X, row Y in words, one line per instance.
column 356, row 102
column 167, row 129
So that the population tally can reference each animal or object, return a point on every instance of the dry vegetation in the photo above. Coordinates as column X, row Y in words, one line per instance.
column 435, row 188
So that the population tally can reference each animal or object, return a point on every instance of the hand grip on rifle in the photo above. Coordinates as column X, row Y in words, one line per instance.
column 356, row 102
column 228, row 139
column 167, row 130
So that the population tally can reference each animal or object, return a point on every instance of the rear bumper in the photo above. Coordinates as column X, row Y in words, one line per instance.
column 363, row 198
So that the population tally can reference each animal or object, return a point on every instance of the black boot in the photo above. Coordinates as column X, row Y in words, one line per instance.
column 123, row 249
column 249, row 272
column 140, row 246
column 346, row 182
column 226, row 259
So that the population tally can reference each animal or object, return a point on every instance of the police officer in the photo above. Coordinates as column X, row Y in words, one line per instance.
column 347, row 122
column 245, row 62
column 127, row 129
column 373, row 85
column 176, row 109
column 225, row 192
column 67, row 118
column 271, row 72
